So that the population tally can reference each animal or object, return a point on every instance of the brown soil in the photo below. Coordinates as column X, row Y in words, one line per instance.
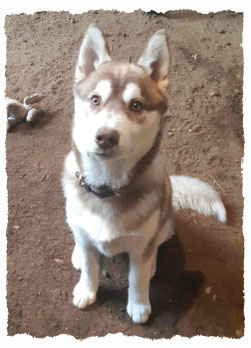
column 203, row 137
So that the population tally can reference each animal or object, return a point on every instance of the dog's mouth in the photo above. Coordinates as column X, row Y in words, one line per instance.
column 104, row 155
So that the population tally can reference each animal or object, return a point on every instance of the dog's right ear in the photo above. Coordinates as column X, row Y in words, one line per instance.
column 93, row 52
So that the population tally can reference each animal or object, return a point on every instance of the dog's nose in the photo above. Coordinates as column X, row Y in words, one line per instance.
column 107, row 138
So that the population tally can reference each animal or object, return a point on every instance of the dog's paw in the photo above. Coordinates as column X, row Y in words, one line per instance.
column 82, row 296
column 139, row 312
column 76, row 258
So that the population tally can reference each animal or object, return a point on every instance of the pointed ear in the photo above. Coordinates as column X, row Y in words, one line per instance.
column 93, row 52
column 156, row 59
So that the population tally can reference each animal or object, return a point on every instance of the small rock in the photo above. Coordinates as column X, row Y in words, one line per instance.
column 59, row 261
column 16, row 227
column 197, row 129
column 150, row 13
column 208, row 290
column 40, row 312
column 214, row 297
column 106, row 274
column 239, row 333
column 214, row 94
column 222, row 31
column 195, row 56
column 54, row 324
column 236, row 91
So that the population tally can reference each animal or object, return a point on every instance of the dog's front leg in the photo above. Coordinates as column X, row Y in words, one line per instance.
column 85, row 291
column 139, row 307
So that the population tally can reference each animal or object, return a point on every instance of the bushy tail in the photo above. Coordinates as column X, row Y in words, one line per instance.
column 197, row 195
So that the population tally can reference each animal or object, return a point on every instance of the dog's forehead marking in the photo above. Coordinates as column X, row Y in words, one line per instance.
column 131, row 91
column 104, row 89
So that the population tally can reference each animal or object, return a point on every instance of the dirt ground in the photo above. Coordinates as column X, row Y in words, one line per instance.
column 198, row 289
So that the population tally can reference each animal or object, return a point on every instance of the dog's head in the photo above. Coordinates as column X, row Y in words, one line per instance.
column 118, row 106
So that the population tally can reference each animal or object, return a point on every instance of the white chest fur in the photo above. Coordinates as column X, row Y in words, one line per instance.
column 109, row 238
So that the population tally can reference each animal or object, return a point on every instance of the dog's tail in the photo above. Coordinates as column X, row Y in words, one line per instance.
column 194, row 194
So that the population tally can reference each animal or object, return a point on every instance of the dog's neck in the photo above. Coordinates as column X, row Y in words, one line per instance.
column 114, row 173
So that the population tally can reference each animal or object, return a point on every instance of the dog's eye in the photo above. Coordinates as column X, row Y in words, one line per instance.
column 95, row 100
column 136, row 106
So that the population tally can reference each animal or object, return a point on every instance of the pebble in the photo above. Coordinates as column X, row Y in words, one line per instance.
column 238, row 333
column 197, row 129
column 214, row 94
column 236, row 91
column 214, row 297
column 208, row 290
column 16, row 227
column 106, row 274
column 59, row 261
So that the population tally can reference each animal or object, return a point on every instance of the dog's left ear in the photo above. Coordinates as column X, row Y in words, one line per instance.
column 156, row 59
column 93, row 52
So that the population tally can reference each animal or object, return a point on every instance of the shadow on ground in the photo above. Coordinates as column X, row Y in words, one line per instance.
column 172, row 290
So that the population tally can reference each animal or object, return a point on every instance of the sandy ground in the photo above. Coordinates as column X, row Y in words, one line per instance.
column 198, row 289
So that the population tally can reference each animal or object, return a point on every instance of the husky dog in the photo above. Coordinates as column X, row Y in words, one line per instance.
column 119, row 197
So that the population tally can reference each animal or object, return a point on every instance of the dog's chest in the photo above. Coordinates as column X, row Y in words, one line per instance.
column 109, row 236
column 103, row 235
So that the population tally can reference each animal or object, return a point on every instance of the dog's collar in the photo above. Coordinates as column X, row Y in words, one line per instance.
column 103, row 191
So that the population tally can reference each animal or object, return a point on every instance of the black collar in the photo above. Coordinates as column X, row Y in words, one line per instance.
column 103, row 191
